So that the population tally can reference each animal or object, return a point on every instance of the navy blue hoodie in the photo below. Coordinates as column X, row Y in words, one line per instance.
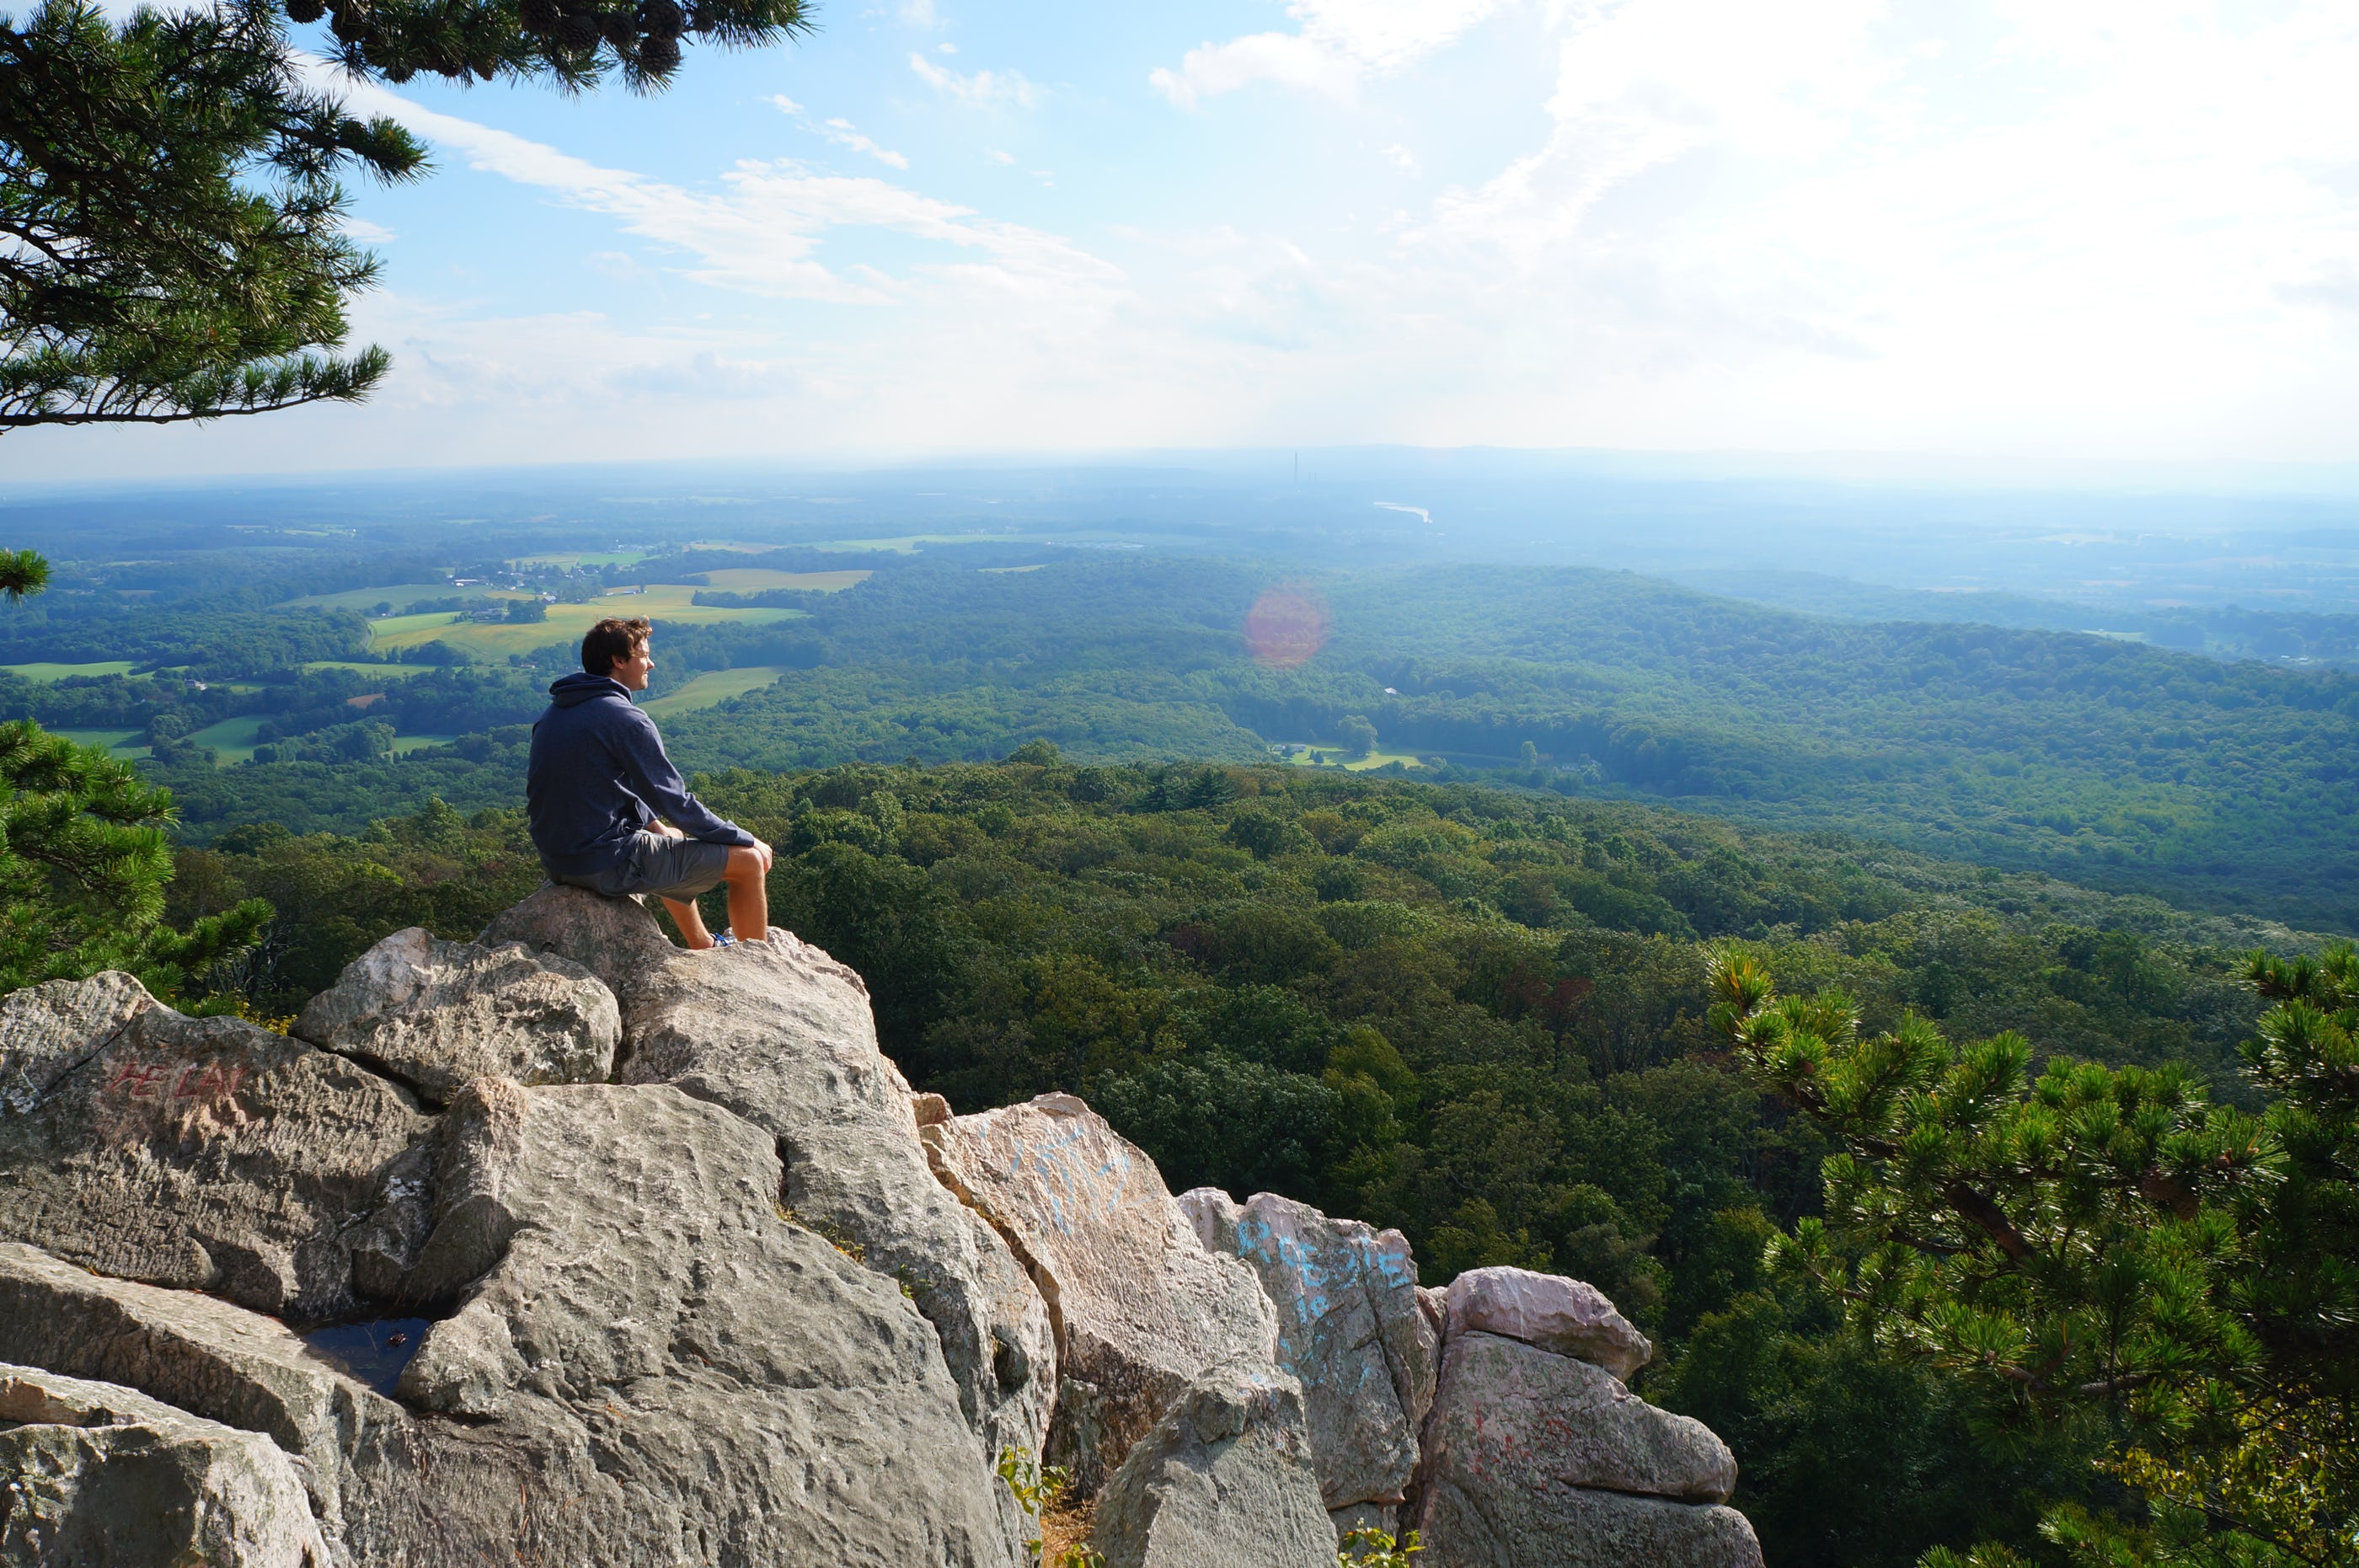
column 598, row 776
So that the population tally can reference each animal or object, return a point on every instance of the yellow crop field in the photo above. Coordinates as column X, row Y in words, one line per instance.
column 712, row 689
column 566, row 623
column 758, row 579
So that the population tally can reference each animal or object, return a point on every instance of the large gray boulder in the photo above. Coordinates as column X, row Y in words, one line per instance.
column 1142, row 1310
column 1350, row 1329
column 1571, row 1317
column 658, row 1366
column 100, row 1473
column 352, row 1449
column 1532, row 1456
column 209, row 1154
column 48, row 1030
column 1224, row 1479
column 783, row 1036
column 436, row 1014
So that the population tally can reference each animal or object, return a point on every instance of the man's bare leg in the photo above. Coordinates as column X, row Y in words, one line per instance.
column 749, row 894
column 690, row 921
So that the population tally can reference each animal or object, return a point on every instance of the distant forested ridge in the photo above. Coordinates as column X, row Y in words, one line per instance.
column 2218, row 786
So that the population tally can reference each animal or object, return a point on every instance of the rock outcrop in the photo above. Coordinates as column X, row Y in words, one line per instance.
column 1224, row 1479
column 352, row 1448
column 1532, row 1457
column 1349, row 1328
column 781, row 1035
column 437, row 1015
column 1571, row 1317
column 96, row 1473
column 1141, row 1309
column 686, row 1274
column 207, row 1154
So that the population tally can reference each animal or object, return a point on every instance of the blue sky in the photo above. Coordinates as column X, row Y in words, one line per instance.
column 2116, row 230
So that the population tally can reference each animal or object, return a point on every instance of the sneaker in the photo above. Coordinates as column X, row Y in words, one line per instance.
column 725, row 939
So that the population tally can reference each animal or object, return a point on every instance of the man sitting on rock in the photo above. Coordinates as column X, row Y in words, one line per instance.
column 611, row 813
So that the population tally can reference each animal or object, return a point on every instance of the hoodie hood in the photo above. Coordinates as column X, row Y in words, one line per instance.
column 581, row 687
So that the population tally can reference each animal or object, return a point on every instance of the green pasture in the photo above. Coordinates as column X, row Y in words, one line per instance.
column 400, row 595
column 583, row 558
column 566, row 623
column 712, row 688
column 121, row 742
column 1330, row 754
column 44, row 671
column 760, row 579
column 1010, row 570
column 395, row 628
column 908, row 543
column 386, row 672
column 403, row 744
column 232, row 739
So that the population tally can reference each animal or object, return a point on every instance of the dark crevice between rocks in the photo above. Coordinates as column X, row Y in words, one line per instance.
column 370, row 1350
column 1042, row 1280
column 413, row 1095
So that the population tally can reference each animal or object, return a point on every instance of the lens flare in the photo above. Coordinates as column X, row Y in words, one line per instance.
column 1286, row 627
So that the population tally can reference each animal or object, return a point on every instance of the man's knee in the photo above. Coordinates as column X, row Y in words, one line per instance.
column 745, row 864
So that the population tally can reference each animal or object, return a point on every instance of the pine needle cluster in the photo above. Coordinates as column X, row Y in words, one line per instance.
column 2105, row 1250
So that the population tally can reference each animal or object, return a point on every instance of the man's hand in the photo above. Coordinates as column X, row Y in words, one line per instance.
column 665, row 828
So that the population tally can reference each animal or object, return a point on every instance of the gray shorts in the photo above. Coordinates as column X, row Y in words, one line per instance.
column 666, row 866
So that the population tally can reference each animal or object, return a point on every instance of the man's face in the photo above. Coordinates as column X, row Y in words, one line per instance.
column 632, row 672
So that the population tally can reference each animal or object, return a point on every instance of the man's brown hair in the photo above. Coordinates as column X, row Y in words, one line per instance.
column 612, row 639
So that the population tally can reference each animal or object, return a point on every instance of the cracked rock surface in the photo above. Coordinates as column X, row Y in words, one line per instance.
column 435, row 1014
column 1141, row 1308
column 1536, row 1457
column 207, row 1154
column 782, row 1035
column 1350, row 1329
column 1223, row 1480
column 97, row 1473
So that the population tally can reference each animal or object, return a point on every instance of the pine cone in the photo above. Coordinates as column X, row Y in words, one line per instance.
column 542, row 16
column 661, row 19
column 659, row 56
column 352, row 22
column 305, row 12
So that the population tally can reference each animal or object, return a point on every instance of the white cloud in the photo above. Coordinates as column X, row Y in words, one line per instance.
column 1000, row 158
column 980, row 90
column 367, row 233
column 838, row 130
column 1340, row 42
column 759, row 234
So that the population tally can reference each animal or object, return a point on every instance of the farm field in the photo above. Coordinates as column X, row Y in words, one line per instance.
column 400, row 595
column 232, row 739
column 712, row 688
column 759, row 579
column 403, row 744
column 47, row 671
column 383, row 671
column 566, row 623
column 1332, row 756
column 583, row 558
column 907, row 544
column 121, row 742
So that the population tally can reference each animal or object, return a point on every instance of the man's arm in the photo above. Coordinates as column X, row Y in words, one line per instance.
column 649, row 771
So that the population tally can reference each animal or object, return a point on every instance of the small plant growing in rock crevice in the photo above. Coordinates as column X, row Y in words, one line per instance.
column 1369, row 1547
column 1037, row 1488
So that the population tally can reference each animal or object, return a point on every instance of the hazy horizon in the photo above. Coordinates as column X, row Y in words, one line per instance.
column 2094, row 234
